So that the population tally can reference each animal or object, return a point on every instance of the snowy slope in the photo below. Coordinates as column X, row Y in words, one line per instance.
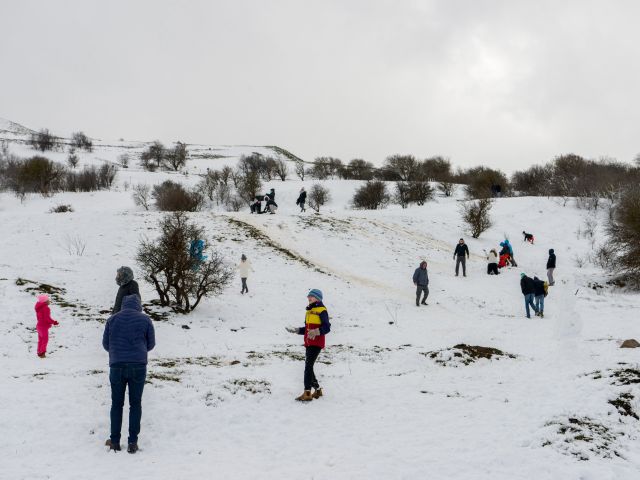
column 220, row 398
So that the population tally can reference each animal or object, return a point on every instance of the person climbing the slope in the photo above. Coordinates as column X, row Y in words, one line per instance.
column 528, row 237
column 44, row 323
column 551, row 266
column 540, row 291
column 527, row 286
column 421, row 281
column 243, row 267
column 127, row 286
column 316, row 327
column 508, row 248
column 460, row 255
column 302, row 198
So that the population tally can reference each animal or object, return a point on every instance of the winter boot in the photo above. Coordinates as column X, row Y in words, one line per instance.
column 317, row 393
column 112, row 446
column 541, row 314
column 305, row 397
column 424, row 302
column 42, row 355
column 132, row 448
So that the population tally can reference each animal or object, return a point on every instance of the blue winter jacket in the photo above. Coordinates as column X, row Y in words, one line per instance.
column 129, row 334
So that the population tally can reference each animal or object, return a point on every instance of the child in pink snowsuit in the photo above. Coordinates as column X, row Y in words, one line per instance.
column 43, row 314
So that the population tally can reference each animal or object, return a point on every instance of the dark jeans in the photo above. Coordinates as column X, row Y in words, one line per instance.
column 245, row 289
column 419, row 290
column 461, row 259
column 492, row 268
column 310, row 379
column 122, row 375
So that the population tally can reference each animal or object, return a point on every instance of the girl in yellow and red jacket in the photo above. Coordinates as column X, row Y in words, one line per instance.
column 316, row 327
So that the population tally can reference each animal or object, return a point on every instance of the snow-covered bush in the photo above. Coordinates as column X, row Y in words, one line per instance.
column 180, row 277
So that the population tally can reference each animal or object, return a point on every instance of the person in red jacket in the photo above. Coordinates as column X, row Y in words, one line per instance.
column 43, row 314
column 316, row 327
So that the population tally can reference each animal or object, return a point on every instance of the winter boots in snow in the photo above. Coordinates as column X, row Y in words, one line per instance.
column 305, row 397
column 42, row 355
column 132, row 448
column 112, row 446
column 317, row 393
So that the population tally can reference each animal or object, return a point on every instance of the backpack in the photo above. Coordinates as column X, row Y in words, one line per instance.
column 546, row 288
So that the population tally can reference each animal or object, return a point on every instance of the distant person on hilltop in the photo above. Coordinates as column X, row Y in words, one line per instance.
column 460, row 255
column 128, row 336
column 528, row 237
column 302, row 198
column 316, row 326
column 44, row 323
column 527, row 286
column 421, row 281
column 551, row 266
column 127, row 286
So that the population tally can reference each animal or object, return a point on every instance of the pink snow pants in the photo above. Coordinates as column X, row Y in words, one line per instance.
column 43, row 340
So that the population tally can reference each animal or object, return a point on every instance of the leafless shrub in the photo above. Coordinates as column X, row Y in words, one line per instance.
column 300, row 169
column 371, row 196
column 81, row 141
column 74, row 245
column 44, row 140
column 73, row 158
column 446, row 188
column 623, row 231
column 176, row 157
column 180, row 279
column 61, row 209
column 281, row 169
column 476, row 215
column 235, row 203
column 124, row 159
column 141, row 195
column 318, row 196
column 151, row 159
column 173, row 197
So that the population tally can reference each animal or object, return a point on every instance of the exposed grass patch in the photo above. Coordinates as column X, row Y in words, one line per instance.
column 582, row 437
column 463, row 354
column 623, row 405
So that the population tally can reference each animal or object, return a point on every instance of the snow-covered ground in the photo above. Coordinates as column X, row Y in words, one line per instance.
column 219, row 402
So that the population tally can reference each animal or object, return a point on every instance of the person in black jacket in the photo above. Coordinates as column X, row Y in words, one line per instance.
column 128, row 286
column 551, row 266
column 527, row 286
column 302, row 198
column 460, row 255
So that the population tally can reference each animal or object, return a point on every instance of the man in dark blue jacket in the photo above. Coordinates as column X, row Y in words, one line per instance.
column 421, row 281
column 551, row 266
column 128, row 336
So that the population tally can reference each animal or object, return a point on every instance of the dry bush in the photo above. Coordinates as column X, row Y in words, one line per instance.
column 371, row 196
column 446, row 188
column 318, row 196
column 175, row 158
column 623, row 231
column 73, row 158
column 61, row 209
column 173, row 197
column 282, row 170
column 476, row 215
column 44, row 140
column 151, row 159
column 141, row 195
column 180, row 279
column 81, row 141
column 358, row 169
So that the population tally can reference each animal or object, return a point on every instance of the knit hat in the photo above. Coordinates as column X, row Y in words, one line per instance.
column 522, row 275
column 43, row 298
column 124, row 275
column 315, row 293
column 243, row 257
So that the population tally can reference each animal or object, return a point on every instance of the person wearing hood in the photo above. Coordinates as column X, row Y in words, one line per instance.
column 551, row 266
column 302, row 198
column 527, row 285
column 128, row 286
column 316, row 327
column 421, row 281
column 244, row 267
column 128, row 336
column 44, row 323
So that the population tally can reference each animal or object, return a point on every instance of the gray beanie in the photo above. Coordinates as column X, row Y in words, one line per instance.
column 124, row 275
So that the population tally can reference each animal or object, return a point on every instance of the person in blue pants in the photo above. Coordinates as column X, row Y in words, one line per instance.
column 527, row 285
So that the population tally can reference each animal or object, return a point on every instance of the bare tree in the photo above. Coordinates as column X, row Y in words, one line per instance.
column 446, row 188
column 73, row 159
column 281, row 169
column 141, row 195
column 44, row 140
column 300, row 169
column 123, row 160
column 176, row 158
column 180, row 278
column 624, row 234
column 371, row 196
column 153, row 156
column 476, row 215
column 318, row 196
column 81, row 141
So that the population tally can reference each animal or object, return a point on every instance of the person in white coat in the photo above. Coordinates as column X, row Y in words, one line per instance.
column 243, row 267
column 492, row 266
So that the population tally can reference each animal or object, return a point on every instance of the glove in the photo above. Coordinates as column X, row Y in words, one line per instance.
column 291, row 329
column 56, row 323
column 311, row 334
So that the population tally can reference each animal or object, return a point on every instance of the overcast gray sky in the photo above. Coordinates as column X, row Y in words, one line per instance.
column 502, row 83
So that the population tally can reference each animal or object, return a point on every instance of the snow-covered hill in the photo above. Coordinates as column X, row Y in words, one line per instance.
column 400, row 400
